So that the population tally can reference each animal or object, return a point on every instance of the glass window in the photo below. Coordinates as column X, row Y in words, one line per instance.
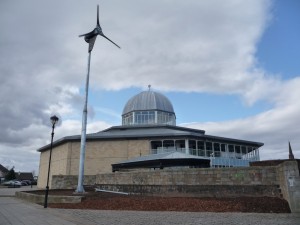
column 148, row 117
column 208, row 149
column 244, row 151
column 208, row 146
column 223, row 147
column 168, row 143
column 230, row 148
column 238, row 149
column 216, row 147
column 192, row 147
column 156, row 144
column 200, row 145
column 249, row 149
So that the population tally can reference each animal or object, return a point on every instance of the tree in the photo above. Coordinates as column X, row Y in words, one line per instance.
column 11, row 174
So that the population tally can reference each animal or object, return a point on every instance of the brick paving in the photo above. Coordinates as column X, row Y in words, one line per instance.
column 17, row 212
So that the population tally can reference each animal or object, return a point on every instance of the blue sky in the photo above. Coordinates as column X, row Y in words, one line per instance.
column 230, row 69
column 279, row 49
column 277, row 52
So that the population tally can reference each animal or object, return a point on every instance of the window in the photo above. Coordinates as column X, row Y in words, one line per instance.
column 127, row 119
column 208, row 149
column 208, row 146
column 192, row 147
column 223, row 147
column 168, row 145
column 201, row 145
column 216, row 147
column 238, row 149
column 230, row 148
column 249, row 149
column 244, row 151
column 148, row 117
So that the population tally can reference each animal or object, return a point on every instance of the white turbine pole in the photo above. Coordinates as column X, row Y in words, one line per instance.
column 90, row 38
column 80, row 188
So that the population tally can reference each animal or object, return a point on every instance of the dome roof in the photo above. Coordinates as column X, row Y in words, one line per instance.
column 148, row 100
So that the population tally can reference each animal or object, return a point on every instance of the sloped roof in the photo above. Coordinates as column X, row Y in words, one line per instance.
column 147, row 132
column 169, row 159
column 166, row 155
column 3, row 169
column 24, row 176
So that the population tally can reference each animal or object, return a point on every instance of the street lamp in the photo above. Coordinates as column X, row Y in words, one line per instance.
column 53, row 120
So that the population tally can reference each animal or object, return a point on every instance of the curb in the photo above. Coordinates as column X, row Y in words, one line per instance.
column 39, row 199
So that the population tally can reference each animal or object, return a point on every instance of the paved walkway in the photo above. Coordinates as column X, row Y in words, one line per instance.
column 17, row 212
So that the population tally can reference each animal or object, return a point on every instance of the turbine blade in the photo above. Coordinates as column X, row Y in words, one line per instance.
column 84, row 34
column 98, row 15
column 110, row 40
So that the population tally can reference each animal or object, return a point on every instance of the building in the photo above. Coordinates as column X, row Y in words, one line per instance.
column 147, row 138
column 3, row 172
column 24, row 176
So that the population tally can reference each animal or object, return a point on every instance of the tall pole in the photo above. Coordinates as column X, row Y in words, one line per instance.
column 80, row 188
column 90, row 38
column 54, row 119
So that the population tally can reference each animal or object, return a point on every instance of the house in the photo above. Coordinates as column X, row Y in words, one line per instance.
column 3, row 172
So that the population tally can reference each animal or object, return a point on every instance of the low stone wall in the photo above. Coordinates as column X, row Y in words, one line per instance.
column 289, row 180
column 70, row 182
column 225, row 182
column 197, row 190
column 196, row 176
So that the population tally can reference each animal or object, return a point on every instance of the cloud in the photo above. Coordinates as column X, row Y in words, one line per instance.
column 275, row 127
column 190, row 46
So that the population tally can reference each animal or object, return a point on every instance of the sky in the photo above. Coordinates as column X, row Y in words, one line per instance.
column 229, row 68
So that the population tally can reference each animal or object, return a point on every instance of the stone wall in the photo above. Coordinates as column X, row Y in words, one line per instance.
column 70, row 182
column 196, row 190
column 278, row 181
column 289, row 180
column 196, row 176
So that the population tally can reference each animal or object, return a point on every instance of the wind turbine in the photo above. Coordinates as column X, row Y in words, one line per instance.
column 89, row 38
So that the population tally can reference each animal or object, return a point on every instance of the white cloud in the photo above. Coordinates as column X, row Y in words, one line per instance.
column 199, row 46
column 275, row 127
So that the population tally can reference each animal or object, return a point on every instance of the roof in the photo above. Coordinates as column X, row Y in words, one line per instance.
column 3, row 169
column 165, row 155
column 24, row 176
column 170, row 159
column 148, row 132
column 148, row 100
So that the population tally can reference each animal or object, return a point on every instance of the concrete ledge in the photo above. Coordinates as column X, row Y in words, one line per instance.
column 39, row 199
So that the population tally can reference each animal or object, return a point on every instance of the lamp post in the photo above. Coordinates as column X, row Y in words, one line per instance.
column 53, row 120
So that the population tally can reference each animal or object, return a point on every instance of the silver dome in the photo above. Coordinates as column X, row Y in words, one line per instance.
column 148, row 100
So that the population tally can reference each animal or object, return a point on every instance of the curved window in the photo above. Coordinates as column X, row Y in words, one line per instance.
column 148, row 117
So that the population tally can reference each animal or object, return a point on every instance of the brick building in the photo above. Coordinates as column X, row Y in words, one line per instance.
column 144, row 140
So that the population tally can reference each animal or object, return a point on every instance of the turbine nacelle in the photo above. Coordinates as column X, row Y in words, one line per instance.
column 91, row 36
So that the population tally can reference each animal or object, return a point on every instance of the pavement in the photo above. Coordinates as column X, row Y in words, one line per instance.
column 18, row 212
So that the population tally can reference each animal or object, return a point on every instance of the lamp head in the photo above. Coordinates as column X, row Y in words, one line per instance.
column 54, row 119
